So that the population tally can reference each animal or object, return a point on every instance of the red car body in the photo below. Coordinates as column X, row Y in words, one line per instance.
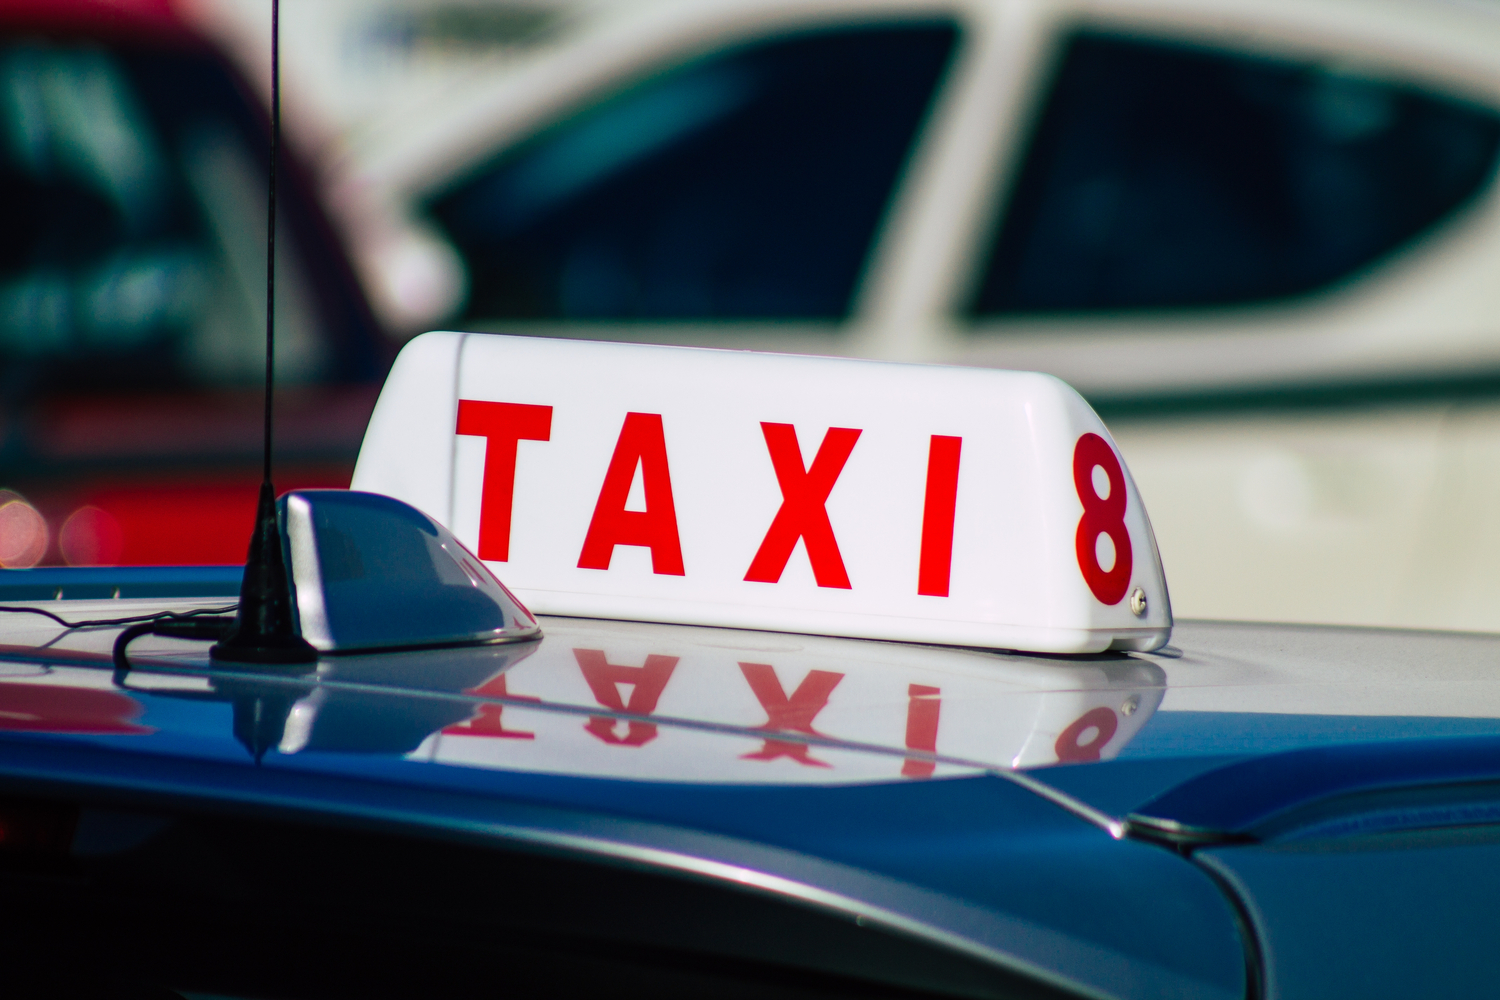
column 130, row 407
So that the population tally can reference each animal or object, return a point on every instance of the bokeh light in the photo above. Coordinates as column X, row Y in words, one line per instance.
column 91, row 537
column 23, row 532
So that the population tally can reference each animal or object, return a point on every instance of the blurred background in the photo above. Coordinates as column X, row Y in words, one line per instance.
column 1262, row 237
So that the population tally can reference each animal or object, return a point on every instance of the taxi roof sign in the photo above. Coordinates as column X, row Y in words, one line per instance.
column 956, row 506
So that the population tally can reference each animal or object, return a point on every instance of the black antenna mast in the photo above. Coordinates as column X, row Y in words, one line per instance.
column 263, row 629
column 271, row 235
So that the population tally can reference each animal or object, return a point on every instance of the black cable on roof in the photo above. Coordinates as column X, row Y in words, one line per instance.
column 157, row 616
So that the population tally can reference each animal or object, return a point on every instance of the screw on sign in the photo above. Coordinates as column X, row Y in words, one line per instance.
column 1103, row 514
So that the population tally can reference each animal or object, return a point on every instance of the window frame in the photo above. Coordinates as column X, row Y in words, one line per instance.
column 637, row 77
column 391, row 179
column 1350, row 334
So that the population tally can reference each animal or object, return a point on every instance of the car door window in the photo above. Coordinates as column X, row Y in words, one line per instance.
column 1164, row 176
column 746, row 185
column 132, row 199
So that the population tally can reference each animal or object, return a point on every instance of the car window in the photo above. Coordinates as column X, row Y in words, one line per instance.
column 1165, row 176
column 746, row 185
column 132, row 198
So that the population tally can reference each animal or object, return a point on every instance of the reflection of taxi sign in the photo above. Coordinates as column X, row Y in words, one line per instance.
column 800, row 708
column 909, row 502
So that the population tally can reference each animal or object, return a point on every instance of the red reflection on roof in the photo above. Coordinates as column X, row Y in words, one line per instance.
column 45, row 708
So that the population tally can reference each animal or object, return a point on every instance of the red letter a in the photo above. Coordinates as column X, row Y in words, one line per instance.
column 647, row 684
column 642, row 443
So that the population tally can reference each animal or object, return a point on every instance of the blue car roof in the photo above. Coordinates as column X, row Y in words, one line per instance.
column 989, row 803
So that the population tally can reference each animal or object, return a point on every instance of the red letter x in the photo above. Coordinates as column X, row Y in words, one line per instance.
column 502, row 425
column 803, row 514
column 794, row 714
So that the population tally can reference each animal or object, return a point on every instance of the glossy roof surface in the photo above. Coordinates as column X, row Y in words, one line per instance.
column 646, row 702
column 883, row 779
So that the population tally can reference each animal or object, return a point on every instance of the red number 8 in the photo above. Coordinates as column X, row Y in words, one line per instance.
column 1101, row 516
column 1070, row 747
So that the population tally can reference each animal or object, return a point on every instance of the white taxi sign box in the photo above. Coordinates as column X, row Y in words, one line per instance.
column 967, row 507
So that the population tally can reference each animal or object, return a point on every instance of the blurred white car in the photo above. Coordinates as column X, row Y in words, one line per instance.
column 1262, row 237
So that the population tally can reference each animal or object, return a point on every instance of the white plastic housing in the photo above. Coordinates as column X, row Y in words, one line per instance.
column 698, row 459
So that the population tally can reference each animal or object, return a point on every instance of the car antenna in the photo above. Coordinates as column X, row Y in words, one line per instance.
column 263, row 631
